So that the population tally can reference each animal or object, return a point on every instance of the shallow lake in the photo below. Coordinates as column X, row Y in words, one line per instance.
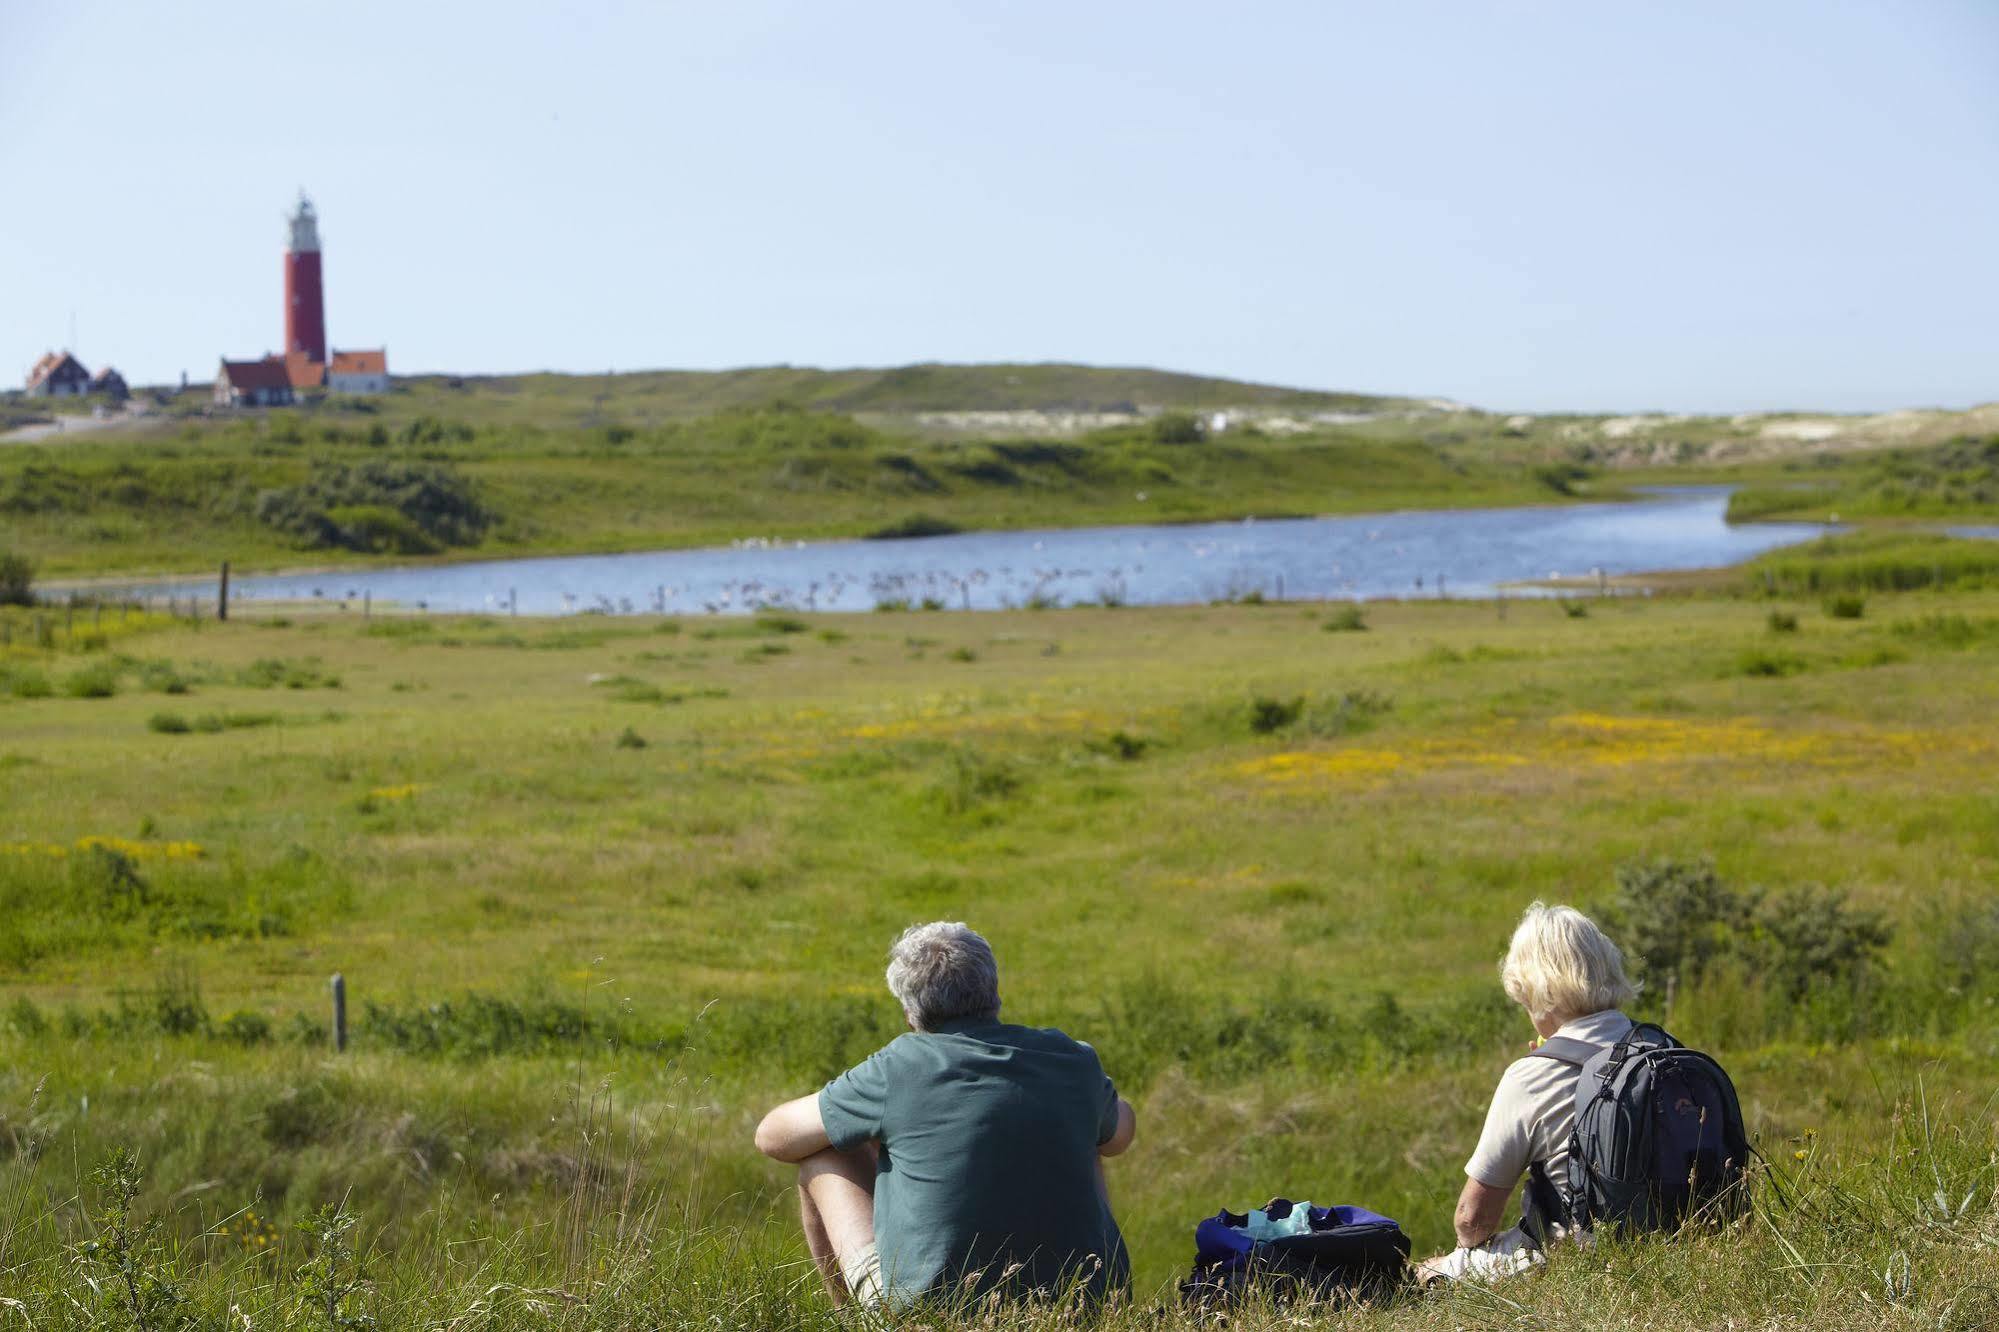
column 1460, row 552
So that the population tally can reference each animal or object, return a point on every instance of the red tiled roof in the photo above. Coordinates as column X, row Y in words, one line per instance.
column 246, row 376
column 360, row 363
column 303, row 371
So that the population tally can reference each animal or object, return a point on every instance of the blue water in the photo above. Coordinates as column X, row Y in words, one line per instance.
column 1470, row 552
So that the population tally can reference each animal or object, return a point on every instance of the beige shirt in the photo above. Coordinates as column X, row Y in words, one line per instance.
column 1534, row 1108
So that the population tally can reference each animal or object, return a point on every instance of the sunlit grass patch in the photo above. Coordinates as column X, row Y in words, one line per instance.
column 1585, row 741
column 124, row 846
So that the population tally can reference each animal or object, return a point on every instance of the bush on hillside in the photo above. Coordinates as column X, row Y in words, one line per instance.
column 1178, row 428
column 1676, row 917
column 17, row 579
column 388, row 507
column 915, row 525
column 1813, row 936
column 1680, row 919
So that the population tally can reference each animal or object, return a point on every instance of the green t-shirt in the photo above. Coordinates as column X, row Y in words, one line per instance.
column 989, row 1135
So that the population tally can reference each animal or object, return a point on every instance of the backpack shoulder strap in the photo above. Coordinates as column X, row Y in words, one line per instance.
column 1566, row 1050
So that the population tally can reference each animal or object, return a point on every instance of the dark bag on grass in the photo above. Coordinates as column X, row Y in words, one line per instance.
column 1658, row 1140
column 1348, row 1253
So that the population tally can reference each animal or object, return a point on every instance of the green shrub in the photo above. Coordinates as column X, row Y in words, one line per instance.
column 1677, row 917
column 1269, row 715
column 1121, row 745
column 1353, row 710
column 1748, row 503
column 972, row 780
column 1346, row 620
column 629, row 689
column 1177, row 428
column 1815, row 938
column 1573, row 608
column 1846, row 607
column 172, row 1007
column 405, row 507
column 25, row 682
column 630, row 739
column 25, row 1019
column 97, row 680
column 274, row 672
column 915, row 525
column 167, row 723
column 211, row 723
column 1782, row 622
column 1767, row 663
column 1560, row 477
column 246, row 1028
column 1682, row 920
column 1946, row 630
column 771, row 623
column 378, row 529
column 161, row 678
column 17, row 579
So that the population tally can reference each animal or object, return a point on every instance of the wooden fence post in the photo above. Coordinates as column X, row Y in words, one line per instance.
column 339, row 1013
column 222, row 594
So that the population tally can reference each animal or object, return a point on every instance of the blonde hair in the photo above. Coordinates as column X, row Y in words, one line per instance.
column 1560, row 965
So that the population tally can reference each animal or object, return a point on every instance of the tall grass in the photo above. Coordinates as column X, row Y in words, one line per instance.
column 1902, row 1235
column 1876, row 562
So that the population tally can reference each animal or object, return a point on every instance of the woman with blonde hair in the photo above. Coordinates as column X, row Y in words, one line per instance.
column 1570, row 978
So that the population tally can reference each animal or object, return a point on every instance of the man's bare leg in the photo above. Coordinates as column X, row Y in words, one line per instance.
column 836, row 1204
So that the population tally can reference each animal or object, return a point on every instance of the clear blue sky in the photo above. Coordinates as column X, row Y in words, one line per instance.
column 1724, row 205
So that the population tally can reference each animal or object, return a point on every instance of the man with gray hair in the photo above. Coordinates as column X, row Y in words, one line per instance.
column 962, row 1157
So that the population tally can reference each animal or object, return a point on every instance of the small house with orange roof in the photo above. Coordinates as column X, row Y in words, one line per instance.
column 358, row 372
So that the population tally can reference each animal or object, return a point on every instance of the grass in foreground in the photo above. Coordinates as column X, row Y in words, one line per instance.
column 1265, row 868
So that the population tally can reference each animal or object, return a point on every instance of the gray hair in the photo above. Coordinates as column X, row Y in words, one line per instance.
column 943, row 971
column 1560, row 965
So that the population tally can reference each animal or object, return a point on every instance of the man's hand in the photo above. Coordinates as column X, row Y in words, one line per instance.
column 793, row 1131
column 1127, row 1129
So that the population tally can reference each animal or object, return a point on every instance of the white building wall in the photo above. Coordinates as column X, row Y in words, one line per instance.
column 357, row 383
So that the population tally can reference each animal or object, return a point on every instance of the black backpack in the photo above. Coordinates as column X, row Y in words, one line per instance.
column 1659, row 1139
column 1349, row 1254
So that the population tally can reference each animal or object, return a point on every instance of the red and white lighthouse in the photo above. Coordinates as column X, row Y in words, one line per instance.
column 305, row 301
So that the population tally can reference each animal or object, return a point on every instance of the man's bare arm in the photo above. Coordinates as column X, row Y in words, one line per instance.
column 793, row 1131
column 1127, row 1129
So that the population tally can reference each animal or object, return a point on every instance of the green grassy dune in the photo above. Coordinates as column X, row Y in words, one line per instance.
column 238, row 490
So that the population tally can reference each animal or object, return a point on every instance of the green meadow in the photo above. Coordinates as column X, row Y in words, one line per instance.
column 291, row 490
column 602, row 889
